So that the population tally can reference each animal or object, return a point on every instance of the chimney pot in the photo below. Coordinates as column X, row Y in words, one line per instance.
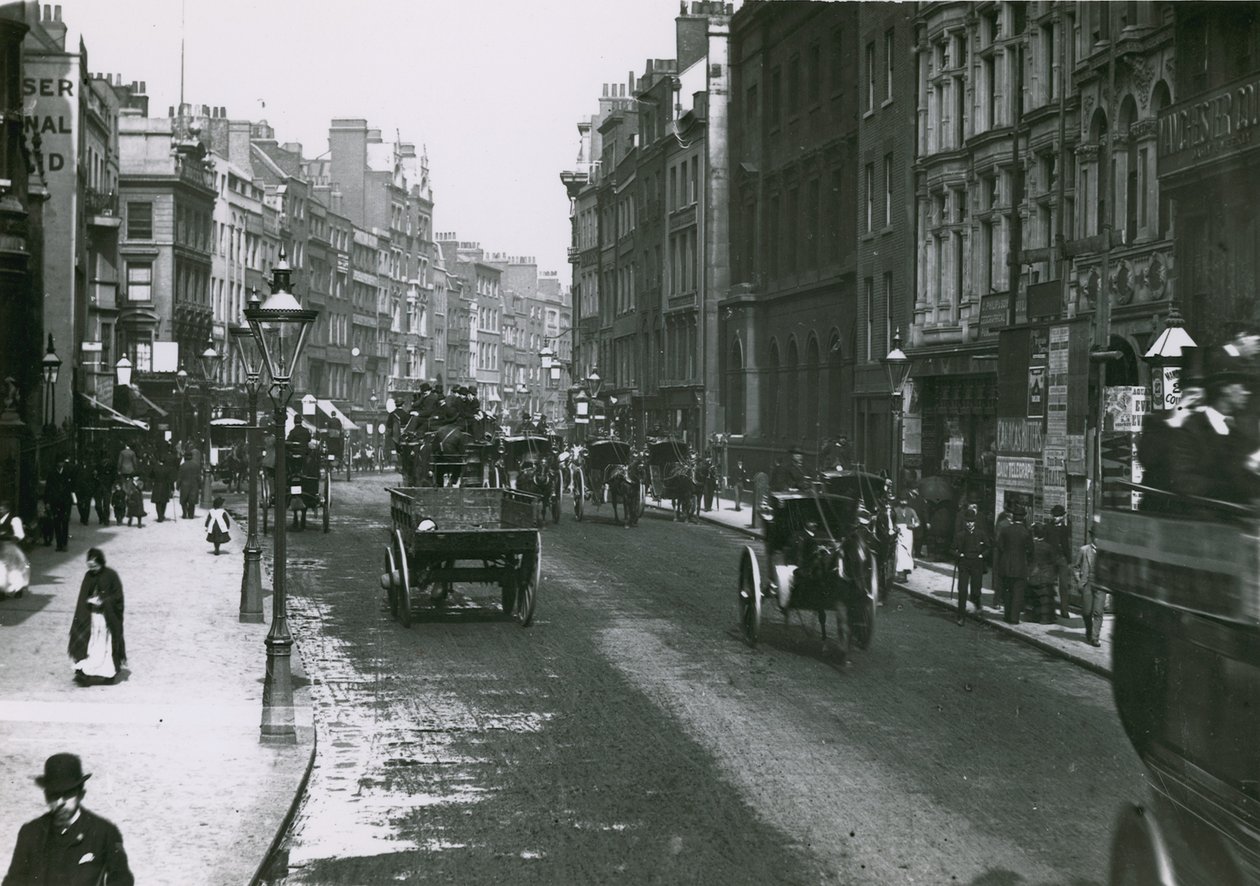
column 170, row 111
column 47, row 12
column 142, row 88
column 57, row 13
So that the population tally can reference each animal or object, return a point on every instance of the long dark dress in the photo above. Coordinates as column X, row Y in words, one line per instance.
column 106, row 585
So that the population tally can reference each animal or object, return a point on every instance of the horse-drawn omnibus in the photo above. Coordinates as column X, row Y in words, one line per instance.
column 1184, row 575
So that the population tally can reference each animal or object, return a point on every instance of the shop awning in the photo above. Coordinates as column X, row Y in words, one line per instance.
column 228, row 422
column 110, row 414
column 153, row 407
column 327, row 407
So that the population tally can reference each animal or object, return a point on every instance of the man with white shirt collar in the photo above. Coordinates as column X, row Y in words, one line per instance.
column 67, row 845
column 1214, row 463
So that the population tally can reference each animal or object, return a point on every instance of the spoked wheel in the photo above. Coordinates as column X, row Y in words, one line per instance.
column 327, row 500
column 390, row 581
column 749, row 595
column 579, row 494
column 528, row 574
column 403, row 595
column 1138, row 853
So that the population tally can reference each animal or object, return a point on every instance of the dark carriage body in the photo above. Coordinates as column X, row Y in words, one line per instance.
column 600, row 458
column 523, row 455
column 444, row 535
column 1185, row 584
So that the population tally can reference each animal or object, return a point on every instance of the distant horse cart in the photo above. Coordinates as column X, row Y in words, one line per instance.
column 530, row 465
column 607, row 470
column 674, row 476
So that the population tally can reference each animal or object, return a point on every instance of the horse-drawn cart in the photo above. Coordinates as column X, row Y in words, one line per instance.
column 308, row 471
column 443, row 535
column 673, row 473
column 609, row 471
column 530, row 465
column 816, row 557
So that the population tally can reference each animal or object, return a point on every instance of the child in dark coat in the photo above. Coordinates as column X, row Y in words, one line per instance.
column 118, row 500
column 135, row 502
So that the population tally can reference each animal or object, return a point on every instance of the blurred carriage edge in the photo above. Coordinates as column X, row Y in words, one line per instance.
column 1184, row 573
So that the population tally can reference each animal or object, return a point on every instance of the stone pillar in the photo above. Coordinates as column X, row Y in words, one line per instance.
column 19, row 343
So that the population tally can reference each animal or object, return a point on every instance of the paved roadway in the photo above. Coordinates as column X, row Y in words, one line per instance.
column 631, row 736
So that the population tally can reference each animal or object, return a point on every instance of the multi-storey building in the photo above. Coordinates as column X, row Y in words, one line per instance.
column 167, row 193
column 554, row 335
column 71, row 123
column 790, row 331
column 885, row 101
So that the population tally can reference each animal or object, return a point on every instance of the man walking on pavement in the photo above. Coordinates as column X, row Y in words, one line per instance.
column 59, row 496
column 1092, row 599
column 189, row 486
column 67, row 845
column 971, row 543
column 1059, row 535
column 1012, row 558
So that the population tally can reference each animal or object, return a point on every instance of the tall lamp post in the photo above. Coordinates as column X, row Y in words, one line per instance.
column 52, row 369
column 251, row 363
column 1167, row 357
column 181, row 385
column 897, row 364
column 210, row 360
column 279, row 325
column 376, row 456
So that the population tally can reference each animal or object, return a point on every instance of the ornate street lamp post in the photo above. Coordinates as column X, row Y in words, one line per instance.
column 377, row 455
column 122, row 372
column 1167, row 358
column 251, row 363
column 897, row 365
column 210, row 359
column 52, row 369
column 279, row 325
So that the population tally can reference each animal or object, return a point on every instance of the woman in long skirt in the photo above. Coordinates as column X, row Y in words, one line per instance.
column 907, row 522
column 97, row 647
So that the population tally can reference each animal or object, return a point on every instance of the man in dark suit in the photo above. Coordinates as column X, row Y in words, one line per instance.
column 971, row 546
column 1013, row 553
column 189, row 479
column 1214, row 458
column 59, row 496
column 67, row 846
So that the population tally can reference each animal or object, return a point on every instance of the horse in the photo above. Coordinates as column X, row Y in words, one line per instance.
column 836, row 575
column 539, row 479
column 623, row 488
column 442, row 454
column 680, row 485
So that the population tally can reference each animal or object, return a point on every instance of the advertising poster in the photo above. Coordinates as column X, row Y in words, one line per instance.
column 1036, row 391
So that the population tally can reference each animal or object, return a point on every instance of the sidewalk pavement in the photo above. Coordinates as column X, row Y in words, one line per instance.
column 173, row 746
column 932, row 582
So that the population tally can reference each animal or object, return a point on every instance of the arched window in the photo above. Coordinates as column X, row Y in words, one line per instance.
column 813, row 389
column 1098, row 138
column 769, row 409
column 1160, row 99
column 790, row 409
column 1132, row 179
column 735, row 404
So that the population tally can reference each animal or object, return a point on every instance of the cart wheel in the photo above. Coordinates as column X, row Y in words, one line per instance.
column 527, row 585
column 390, row 580
column 327, row 500
column 639, row 503
column 404, row 586
column 862, row 622
column 1138, row 852
column 579, row 494
column 749, row 595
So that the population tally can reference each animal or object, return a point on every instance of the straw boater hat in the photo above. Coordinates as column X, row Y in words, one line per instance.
column 62, row 773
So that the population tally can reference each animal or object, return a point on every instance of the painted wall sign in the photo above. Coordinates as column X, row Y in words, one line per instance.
column 1017, row 473
column 1020, row 435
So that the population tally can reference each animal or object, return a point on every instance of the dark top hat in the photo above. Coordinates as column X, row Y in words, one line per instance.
column 1057, row 511
column 62, row 773
column 1017, row 512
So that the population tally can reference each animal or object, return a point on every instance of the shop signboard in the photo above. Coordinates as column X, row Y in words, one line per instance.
column 993, row 313
column 912, row 435
column 1016, row 473
column 1020, row 436
column 1210, row 127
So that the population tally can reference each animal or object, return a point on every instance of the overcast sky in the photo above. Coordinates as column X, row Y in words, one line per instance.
column 493, row 89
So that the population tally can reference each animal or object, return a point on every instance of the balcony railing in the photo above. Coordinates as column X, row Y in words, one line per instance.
column 100, row 203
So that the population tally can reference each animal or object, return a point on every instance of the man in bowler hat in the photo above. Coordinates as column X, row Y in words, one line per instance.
column 1013, row 554
column 67, row 845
